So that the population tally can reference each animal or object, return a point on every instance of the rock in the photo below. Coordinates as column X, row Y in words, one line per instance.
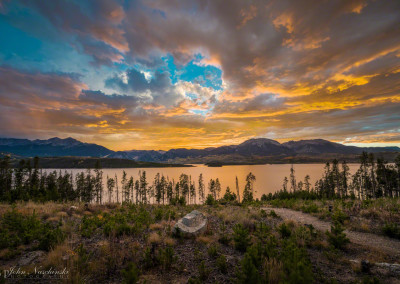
column 392, row 267
column 193, row 224
column 71, row 210
column 31, row 257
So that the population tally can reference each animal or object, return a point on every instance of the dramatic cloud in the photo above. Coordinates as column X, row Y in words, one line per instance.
column 191, row 73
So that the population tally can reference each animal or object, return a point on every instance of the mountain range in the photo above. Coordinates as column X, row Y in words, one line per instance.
column 253, row 151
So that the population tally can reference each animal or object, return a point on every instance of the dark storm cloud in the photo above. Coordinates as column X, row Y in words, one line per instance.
column 159, row 86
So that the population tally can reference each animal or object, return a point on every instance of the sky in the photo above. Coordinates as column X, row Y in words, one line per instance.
column 162, row 74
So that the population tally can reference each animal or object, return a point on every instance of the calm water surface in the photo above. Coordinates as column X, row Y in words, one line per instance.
column 269, row 178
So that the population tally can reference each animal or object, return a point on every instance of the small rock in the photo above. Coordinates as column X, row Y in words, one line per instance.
column 31, row 257
column 192, row 224
column 71, row 210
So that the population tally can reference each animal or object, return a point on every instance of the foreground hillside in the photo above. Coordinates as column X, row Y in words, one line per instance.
column 130, row 243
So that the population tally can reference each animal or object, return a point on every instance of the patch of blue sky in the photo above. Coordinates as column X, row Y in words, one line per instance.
column 192, row 96
column 205, row 75
column 29, row 42
column 199, row 111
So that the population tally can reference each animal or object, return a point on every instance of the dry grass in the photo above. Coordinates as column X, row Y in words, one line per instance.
column 28, row 208
column 59, row 256
column 4, row 253
column 370, row 213
column 205, row 239
column 355, row 266
column 154, row 238
column 275, row 269
column 169, row 241
column 53, row 219
column 291, row 224
column 232, row 215
column 320, row 244
column 156, row 226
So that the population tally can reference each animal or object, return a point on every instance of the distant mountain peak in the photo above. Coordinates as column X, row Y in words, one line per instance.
column 259, row 142
column 52, row 147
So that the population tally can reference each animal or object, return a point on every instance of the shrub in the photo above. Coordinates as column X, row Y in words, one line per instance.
column 158, row 214
column 212, row 251
column 248, row 272
column 194, row 281
column 182, row 201
column 89, row 225
column 149, row 258
column 170, row 214
column 284, row 231
column 296, row 265
column 312, row 208
column 229, row 196
column 336, row 237
column 18, row 229
column 131, row 274
column 210, row 200
column 273, row 214
column 50, row 237
column 222, row 264
column 263, row 214
column 339, row 216
column 223, row 239
column 391, row 230
column 241, row 237
column 167, row 257
column 204, row 272
column 264, row 197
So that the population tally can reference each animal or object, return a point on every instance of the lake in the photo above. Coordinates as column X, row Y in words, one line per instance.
column 269, row 178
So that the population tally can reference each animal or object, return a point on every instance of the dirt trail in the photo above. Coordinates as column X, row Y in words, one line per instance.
column 390, row 246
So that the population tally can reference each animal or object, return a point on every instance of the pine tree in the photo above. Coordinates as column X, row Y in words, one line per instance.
column 192, row 193
column 285, row 184
column 137, row 190
column 143, row 187
column 307, row 184
column 110, row 188
column 248, row 189
column 158, row 189
column 344, row 176
column 98, row 182
column 163, row 187
column 217, row 187
column 201, row 189
column 116, row 185
column 184, row 185
column 124, row 183
column 237, row 189
column 292, row 180
column 211, row 188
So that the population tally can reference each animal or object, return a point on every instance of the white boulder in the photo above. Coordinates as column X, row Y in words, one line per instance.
column 193, row 224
